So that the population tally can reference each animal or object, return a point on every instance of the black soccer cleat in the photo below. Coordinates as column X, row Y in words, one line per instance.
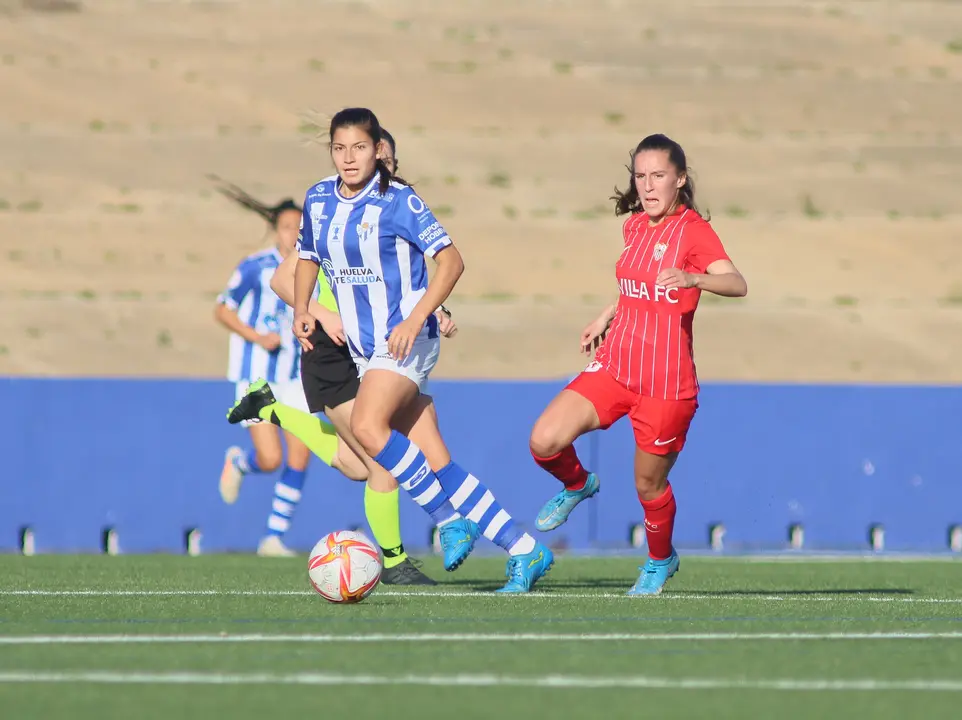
column 258, row 396
column 405, row 573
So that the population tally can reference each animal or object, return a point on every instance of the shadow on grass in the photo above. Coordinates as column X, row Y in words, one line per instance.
column 796, row 593
column 608, row 584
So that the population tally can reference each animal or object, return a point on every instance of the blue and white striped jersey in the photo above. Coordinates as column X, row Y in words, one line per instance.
column 372, row 249
column 249, row 293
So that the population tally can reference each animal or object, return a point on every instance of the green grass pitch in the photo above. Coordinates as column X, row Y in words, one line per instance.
column 244, row 637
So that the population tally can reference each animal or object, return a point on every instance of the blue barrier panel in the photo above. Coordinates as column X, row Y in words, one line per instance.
column 143, row 457
column 835, row 460
column 487, row 426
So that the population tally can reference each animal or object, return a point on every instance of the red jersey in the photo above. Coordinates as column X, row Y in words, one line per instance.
column 648, row 348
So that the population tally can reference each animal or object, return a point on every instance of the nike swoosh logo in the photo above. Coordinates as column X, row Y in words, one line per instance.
column 659, row 443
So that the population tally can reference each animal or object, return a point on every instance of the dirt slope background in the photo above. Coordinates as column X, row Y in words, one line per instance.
column 826, row 140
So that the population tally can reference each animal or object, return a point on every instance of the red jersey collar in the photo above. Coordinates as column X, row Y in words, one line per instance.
column 679, row 210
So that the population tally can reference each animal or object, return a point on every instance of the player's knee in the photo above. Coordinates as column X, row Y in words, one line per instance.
column 649, row 486
column 346, row 469
column 349, row 465
column 268, row 461
column 298, row 458
column 545, row 440
column 371, row 434
column 380, row 481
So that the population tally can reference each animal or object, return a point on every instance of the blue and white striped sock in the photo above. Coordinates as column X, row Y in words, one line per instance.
column 473, row 500
column 247, row 463
column 287, row 495
column 406, row 463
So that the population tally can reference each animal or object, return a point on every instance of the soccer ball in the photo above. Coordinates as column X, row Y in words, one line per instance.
column 345, row 567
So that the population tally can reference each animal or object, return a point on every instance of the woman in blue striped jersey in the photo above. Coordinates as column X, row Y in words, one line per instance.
column 371, row 233
column 330, row 380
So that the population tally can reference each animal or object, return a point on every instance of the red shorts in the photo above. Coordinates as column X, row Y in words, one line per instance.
column 660, row 426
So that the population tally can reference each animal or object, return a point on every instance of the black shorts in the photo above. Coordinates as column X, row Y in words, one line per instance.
column 328, row 373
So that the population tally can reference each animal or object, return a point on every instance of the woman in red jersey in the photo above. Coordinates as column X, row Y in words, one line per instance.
column 643, row 367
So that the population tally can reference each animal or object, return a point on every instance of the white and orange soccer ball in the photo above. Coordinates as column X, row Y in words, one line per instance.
column 345, row 567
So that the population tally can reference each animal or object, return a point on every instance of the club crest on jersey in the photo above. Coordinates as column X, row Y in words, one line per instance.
column 272, row 323
column 593, row 366
column 365, row 230
column 660, row 249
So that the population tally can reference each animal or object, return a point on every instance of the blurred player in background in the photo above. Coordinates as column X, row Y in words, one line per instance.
column 644, row 366
column 330, row 382
column 370, row 232
column 262, row 346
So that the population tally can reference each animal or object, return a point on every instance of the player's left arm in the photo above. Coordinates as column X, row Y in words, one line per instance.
column 722, row 278
column 421, row 228
column 707, row 268
column 446, row 325
column 417, row 224
column 450, row 266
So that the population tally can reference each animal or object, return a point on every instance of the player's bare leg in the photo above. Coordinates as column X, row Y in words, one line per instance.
column 383, row 395
column 655, row 494
column 287, row 496
column 420, row 423
column 267, row 457
column 567, row 417
column 380, row 500
column 351, row 459
column 528, row 560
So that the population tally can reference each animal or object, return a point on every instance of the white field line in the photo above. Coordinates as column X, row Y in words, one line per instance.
column 444, row 594
column 557, row 682
column 120, row 639
column 789, row 556
column 830, row 558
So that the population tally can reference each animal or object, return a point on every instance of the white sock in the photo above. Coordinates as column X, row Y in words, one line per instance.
column 451, row 519
column 523, row 546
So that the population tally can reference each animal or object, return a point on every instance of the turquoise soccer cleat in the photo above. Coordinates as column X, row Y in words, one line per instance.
column 556, row 511
column 457, row 541
column 525, row 570
column 654, row 575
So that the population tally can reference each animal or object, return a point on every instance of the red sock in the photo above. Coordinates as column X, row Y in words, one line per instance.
column 659, row 523
column 566, row 467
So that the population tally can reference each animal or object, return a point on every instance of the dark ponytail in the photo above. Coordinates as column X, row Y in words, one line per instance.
column 630, row 200
column 389, row 139
column 387, row 177
column 270, row 213
column 368, row 122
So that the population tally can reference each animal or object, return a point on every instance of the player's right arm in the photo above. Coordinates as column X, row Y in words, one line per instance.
column 306, row 271
column 242, row 281
column 594, row 333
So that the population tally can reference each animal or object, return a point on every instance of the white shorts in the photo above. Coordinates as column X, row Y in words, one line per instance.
column 417, row 367
column 289, row 392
